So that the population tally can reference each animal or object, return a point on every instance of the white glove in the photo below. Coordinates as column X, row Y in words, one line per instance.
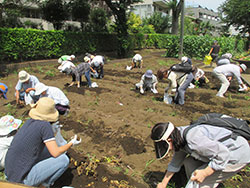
column 154, row 91
column 141, row 91
column 244, row 88
column 74, row 141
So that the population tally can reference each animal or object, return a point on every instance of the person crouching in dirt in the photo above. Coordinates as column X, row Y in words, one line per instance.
column 24, row 162
column 225, row 74
column 3, row 90
column 207, row 160
column 148, row 82
column 60, row 99
column 199, row 78
column 77, row 72
column 96, row 65
column 25, row 88
column 224, row 59
column 137, row 59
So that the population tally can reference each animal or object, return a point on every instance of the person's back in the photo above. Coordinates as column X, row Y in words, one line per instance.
column 57, row 95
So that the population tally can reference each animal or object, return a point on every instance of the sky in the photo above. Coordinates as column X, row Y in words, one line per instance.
column 210, row 4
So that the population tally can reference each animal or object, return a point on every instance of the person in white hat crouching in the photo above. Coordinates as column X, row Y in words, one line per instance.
column 225, row 74
column 24, row 162
column 25, row 88
column 8, row 128
column 208, row 157
column 60, row 99
column 148, row 82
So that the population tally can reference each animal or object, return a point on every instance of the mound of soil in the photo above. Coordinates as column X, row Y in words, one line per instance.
column 115, row 121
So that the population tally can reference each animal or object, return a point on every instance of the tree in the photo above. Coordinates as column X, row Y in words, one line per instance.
column 236, row 13
column 176, row 10
column 134, row 23
column 80, row 10
column 98, row 20
column 55, row 12
column 119, row 8
column 160, row 22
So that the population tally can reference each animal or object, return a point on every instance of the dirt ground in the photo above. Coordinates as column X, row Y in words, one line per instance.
column 115, row 121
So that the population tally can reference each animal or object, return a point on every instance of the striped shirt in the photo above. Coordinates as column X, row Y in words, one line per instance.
column 80, row 70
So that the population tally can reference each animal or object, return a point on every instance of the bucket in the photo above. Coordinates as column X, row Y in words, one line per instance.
column 207, row 60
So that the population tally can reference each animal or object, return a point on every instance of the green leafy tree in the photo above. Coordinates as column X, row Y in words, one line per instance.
column 119, row 9
column 134, row 23
column 80, row 10
column 161, row 23
column 98, row 20
column 55, row 12
column 236, row 13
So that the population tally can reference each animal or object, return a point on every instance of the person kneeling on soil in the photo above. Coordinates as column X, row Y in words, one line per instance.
column 199, row 78
column 207, row 160
column 8, row 128
column 77, row 72
column 61, row 101
column 225, row 74
column 25, row 160
column 148, row 82
column 136, row 59
column 25, row 88
column 97, row 64
column 93, row 72
column 3, row 90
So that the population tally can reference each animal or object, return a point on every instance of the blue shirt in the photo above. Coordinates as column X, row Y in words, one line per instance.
column 31, row 84
column 26, row 148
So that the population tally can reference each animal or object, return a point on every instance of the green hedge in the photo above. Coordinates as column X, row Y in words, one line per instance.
column 31, row 44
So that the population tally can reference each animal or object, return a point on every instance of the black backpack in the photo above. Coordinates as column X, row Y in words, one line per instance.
column 182, row 67
column 238, row 126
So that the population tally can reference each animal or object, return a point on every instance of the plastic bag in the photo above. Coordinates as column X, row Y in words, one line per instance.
column 167, row 99
column 192, row 184
column 94, row 84
column 207, row 59
column 128, row 67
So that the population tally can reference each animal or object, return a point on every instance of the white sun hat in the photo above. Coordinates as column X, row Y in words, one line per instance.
column 8, row 124
column 39, row 88
column 23, row 76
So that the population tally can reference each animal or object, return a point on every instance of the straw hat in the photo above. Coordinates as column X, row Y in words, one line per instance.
column 8, row 124
column 23, row 76
column 184, row 59
column 44, row 110
column 40, row 87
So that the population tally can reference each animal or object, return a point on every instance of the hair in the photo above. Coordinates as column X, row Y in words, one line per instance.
column 158, row 131
column 177, row 140
column 161, row 72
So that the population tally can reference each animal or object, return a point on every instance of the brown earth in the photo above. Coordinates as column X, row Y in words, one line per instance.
column 115, row 121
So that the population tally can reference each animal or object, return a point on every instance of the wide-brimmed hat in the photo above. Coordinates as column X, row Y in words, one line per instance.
column 44, row 110
column 243, row 67
column 160, row 133
column 86, row 59
column 72, row 56
column 23, row 76
column 3, row 89
column 149, row 74
column 40, row 87
column 8, row 124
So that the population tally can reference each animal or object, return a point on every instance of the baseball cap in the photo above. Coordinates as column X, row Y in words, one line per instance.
column 243, row 67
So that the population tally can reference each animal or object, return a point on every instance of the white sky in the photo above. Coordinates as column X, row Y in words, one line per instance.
column 210, row 4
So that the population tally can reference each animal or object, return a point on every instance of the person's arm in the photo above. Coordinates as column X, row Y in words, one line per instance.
column 141, row 63
column 17, row 96
column 165, row 180
column 210, row 51
column 200, row 175
column 92, row 70
column 29, row 89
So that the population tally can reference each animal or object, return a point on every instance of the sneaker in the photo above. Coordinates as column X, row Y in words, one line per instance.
column 66, row 113
column 220, row 96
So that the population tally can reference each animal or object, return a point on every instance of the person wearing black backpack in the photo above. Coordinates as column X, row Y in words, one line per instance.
column 209, row 153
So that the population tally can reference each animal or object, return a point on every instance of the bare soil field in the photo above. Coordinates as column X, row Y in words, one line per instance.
column 115, row 121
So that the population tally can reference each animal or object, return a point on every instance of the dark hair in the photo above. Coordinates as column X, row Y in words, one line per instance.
column 160, row 128
column 161, row 72
column 177, row 140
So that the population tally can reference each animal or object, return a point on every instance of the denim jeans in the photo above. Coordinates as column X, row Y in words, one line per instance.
column 87, row 76
column 180, row 94
column 47, row 171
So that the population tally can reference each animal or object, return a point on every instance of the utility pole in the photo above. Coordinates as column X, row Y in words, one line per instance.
column 182, row 29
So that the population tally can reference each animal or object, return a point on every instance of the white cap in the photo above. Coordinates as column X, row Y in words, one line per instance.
column 23, row 76
column 243, row 67
column 40, row 87
column 73, row 56
column 184, row 59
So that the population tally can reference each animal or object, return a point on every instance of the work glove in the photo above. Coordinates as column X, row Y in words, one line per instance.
column 244, row 88
column 141, row 91
column 74, row 141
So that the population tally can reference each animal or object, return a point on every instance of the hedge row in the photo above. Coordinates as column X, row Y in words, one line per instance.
column 30, row 44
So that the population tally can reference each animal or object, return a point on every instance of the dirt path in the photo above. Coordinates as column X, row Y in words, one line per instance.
column 115, row 121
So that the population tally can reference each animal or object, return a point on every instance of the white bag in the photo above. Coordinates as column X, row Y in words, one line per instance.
column 167, row 99
column 94, row 84
column 192, row 184
column 128, row 67
column 154, row 91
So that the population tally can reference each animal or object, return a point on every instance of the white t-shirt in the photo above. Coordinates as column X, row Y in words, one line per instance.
column 65, row 64
column 97, row 61
column 137, row 57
